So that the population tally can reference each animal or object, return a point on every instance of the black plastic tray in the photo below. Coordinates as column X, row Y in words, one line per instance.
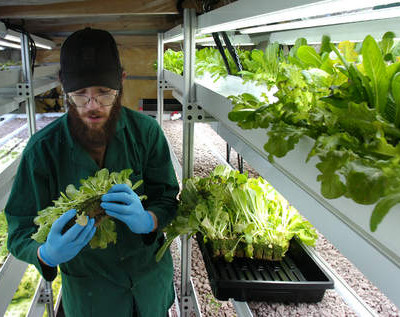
column 297, row 278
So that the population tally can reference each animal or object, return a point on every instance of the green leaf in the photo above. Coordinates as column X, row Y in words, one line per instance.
column 102, row 174
column 317, row 77
column 395, row 90
column 365, row 184
column 282, row 139
column 309, row 56
column 340, row 56
column 387, row 43
column 331, row 164
column 240, row 115
column 348, row 50
column 71, row 191
column 375, row 69
column 299, row 42
column 382, row 208
column 331, row 186
column 396, row 50
column 325, row 45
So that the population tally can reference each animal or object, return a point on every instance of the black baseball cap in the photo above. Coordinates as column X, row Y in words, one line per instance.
column 90, row 57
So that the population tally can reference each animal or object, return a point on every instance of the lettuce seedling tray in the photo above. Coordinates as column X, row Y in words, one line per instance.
column 297, row 278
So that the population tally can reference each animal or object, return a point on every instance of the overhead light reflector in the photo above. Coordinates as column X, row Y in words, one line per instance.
column 324, row 21
column 15, row 36
column 9, row 44
column 207, row 24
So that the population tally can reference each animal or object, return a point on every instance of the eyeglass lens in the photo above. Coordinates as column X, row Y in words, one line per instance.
column 103, row 100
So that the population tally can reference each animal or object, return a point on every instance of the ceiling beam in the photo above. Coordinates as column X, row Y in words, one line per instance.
column 32, row 2
column 123, row 41
column 137, row 23
column 90, row 8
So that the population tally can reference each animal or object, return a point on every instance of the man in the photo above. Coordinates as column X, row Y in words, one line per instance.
column 97, row 132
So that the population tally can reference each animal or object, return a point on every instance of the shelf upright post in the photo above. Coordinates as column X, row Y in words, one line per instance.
column 189, row 97
column 26, row 88
column 160, row 78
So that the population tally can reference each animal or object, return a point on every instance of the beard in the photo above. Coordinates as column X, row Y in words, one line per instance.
column 91, row 138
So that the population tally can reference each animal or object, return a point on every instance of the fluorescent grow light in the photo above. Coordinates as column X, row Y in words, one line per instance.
column 12, row 38
column 15, row 36
column 330, row 20
column 9, row 44
column 354, row 32
column 176, row 38
column 287, row 13
column 174, row 35
column 241, row 40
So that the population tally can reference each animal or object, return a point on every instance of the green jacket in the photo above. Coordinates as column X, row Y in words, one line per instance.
column 100, row 282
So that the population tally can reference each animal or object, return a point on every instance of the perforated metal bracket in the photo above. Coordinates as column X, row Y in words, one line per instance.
column 23, row 90
column 45, row 296
column 163, row 84
column 194, row 112
column 187, row 305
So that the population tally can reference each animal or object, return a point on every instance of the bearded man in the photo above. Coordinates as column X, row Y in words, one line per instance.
column 98, row 132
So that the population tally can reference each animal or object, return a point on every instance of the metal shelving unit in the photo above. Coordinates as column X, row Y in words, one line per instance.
column 18, row 86
column 341, row 221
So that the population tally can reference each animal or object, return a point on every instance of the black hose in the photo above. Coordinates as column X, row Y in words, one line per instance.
column 221, row 51
column 232, row 51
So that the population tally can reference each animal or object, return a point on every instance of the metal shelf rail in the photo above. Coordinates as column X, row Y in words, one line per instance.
column 13, row 92
column 184, row 91
column 342, row 221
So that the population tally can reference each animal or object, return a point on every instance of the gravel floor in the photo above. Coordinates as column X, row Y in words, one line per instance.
column 40, row 124
column 331, row 305
column 11, row 125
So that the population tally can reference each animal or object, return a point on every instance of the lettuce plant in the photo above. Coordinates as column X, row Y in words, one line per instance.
column 347, row 99
column 238, row 216
column 86, row 200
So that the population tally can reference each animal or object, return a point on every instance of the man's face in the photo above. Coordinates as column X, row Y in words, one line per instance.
column 93, row 113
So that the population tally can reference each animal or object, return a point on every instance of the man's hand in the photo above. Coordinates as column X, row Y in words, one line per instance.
column 122, row 203
column 60, row 248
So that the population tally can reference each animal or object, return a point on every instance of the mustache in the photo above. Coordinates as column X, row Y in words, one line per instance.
column 94, row 113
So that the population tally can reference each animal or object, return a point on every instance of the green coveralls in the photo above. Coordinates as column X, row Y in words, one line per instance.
column 100, row 282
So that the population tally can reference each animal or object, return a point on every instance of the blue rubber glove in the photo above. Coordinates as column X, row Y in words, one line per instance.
column 122, row 203
column 60, row 248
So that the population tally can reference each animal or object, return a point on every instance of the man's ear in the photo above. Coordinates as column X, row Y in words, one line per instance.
column 124, row 74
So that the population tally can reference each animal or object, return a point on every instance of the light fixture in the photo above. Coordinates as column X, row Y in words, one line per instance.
column 274, row 15
column 174, row 35
column 9, row 44
column 43, row 43
column 329, row 20
column 12, row 38
column 176, row 38
column 2, row 48
column 241, row 40
column 15, row 36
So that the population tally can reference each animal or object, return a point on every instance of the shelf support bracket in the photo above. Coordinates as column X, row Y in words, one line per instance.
column 193, row 112
column 46, row 297
column 160, row 79
column 189, row 97
column 27, row 70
